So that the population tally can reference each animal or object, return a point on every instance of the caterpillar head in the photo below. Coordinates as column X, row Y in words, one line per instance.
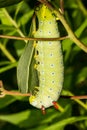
column 43, row 12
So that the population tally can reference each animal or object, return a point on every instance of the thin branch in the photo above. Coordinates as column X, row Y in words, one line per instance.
column 75, row 97
column 7, row 92
column 4, row 92
column 62, row 6
column 8, row 67
column 79, row 97
column 34, row 39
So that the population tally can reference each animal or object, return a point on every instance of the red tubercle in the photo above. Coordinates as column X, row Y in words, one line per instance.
column 55, row 104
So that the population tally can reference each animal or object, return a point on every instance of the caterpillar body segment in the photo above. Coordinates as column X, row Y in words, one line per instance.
column 49, row 60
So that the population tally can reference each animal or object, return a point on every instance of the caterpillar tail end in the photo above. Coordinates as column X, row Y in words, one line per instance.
column 43, row 110
column 55, row 104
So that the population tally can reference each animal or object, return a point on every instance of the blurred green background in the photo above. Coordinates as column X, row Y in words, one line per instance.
column 15, row 111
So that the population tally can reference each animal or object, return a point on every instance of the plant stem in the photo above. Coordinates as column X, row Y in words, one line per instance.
column 71, row 35
column 7, row 53
column 34, row 39
column 3, row 69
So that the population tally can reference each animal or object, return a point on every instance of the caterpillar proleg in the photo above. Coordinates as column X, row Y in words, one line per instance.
column 49, row 60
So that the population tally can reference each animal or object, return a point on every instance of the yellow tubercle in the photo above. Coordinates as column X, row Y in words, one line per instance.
column 35, row 66
column 34, row 44
column 57, row 18
column 35, row 56
column 54, row 12
column 32, row 98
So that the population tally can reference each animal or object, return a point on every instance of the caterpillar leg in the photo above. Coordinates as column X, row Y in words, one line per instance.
column 43, row 110
column 55, row 104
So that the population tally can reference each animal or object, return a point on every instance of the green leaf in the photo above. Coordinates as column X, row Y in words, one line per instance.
column 35, row 118
column 4, row 3
column 6, row 101
column 29, row 119
column 82, row 75
column 16, row 118
column 64, row 122
column 26, row 74
column 26, row 16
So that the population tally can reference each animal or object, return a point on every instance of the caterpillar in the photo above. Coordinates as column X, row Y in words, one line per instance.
column 49, row 60
column 47, row 63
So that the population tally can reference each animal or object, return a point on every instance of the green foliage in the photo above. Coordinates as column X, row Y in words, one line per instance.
column 15, row 111
column 4, row 3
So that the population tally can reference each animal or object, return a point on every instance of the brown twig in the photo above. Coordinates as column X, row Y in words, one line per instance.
column 75, row 97
column 4, row 92
column 62, row 6
column 34, row 39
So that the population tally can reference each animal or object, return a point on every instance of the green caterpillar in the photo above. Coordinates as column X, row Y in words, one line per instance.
column 48, row 61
